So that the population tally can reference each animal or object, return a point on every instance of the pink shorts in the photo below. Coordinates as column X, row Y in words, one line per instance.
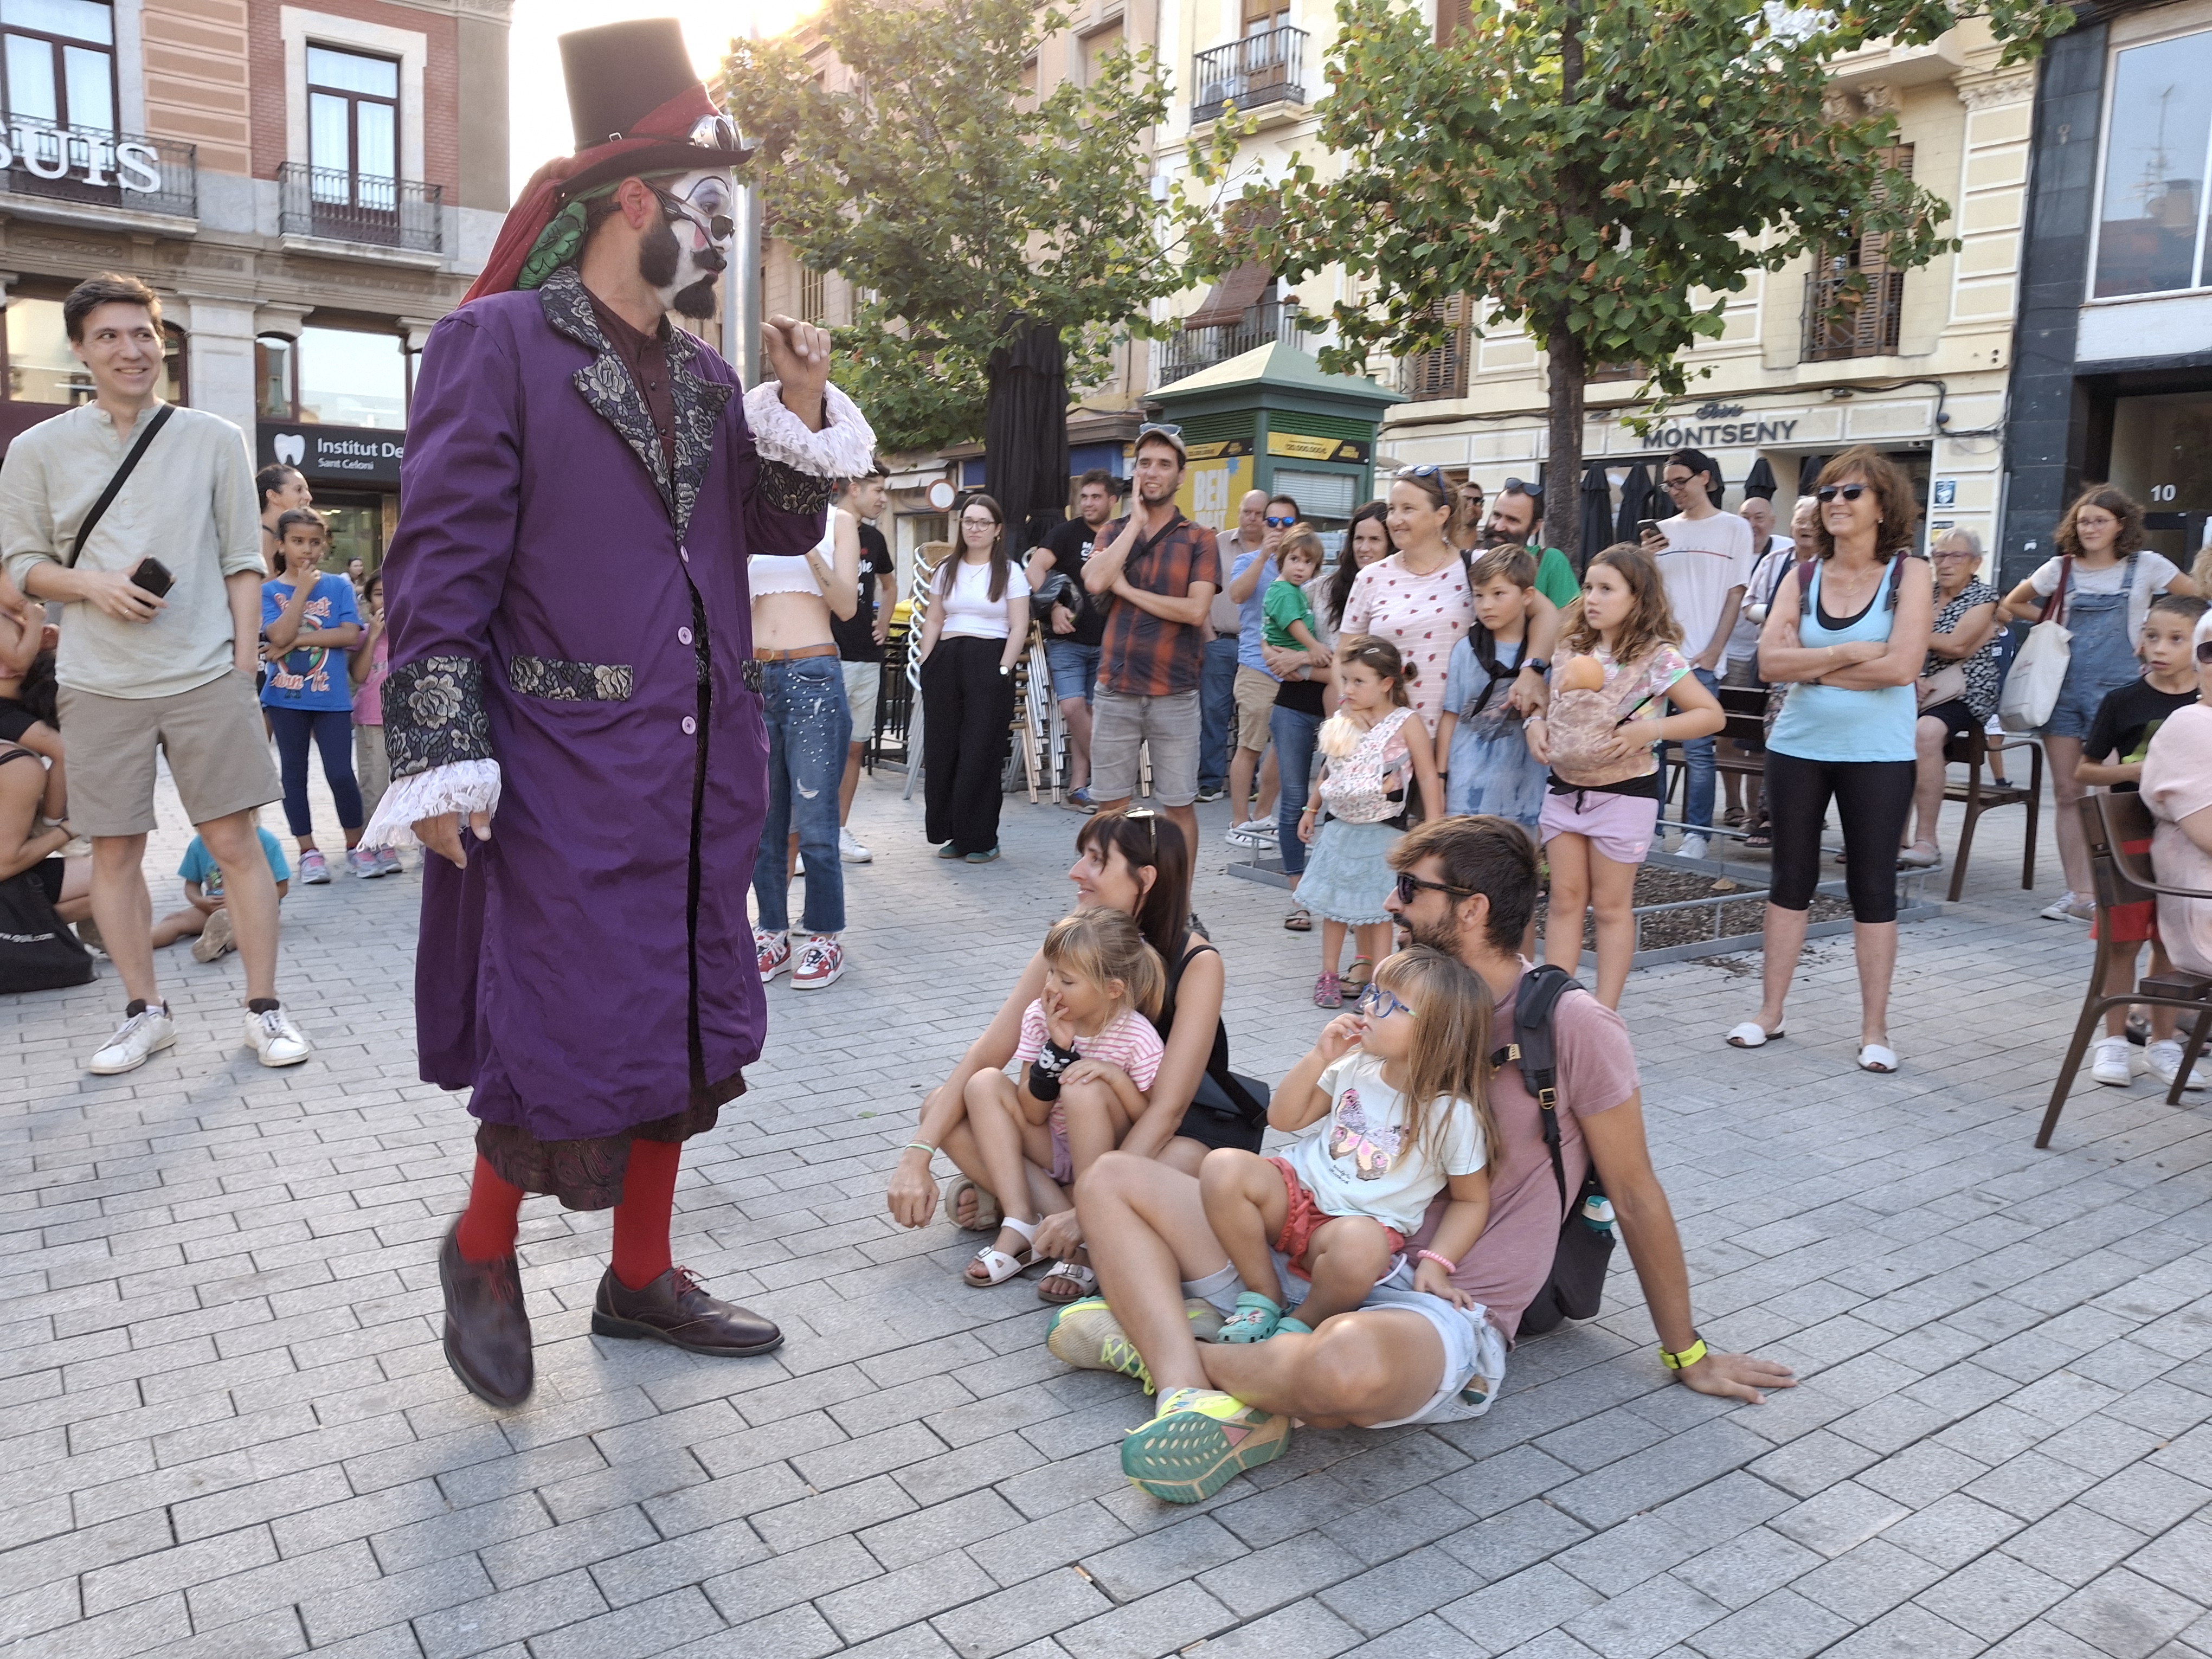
column 1618, row 826
column 1304, row 1218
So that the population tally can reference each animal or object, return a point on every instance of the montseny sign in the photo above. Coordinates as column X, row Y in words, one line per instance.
column 96, row 159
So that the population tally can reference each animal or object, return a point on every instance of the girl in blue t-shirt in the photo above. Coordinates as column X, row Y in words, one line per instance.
column 309, row 620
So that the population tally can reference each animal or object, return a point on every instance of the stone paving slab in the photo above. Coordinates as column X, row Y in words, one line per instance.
column 229, row 1429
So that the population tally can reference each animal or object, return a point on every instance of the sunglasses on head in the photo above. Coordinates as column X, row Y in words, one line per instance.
column 1426, row 470
column 1522, row 487
column 1827, row 493
column 1274, row 523
column 2204, row 651
column 1167, row 430
column 1150, row 819
column 1409, row 886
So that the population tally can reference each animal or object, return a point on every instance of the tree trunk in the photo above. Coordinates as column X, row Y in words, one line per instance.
column 1563, row 464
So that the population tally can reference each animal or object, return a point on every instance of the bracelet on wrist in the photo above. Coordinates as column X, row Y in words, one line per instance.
column 1443, row 1261
column 1688, row 1356
column 919, row 1146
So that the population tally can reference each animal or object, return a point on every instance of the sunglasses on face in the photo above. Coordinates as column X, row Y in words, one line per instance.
column 1409, row 886
column 1376, row 1003
column 1274, row 523
column 1827, row 493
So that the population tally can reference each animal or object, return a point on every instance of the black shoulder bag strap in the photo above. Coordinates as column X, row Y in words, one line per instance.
column 115, row 484
column 1533, row 1050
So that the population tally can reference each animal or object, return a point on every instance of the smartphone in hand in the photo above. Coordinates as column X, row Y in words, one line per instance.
column 153, row 576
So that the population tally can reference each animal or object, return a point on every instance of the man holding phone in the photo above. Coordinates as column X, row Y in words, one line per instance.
column 139, row 517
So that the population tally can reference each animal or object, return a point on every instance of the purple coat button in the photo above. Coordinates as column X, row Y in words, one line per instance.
column 684, row 635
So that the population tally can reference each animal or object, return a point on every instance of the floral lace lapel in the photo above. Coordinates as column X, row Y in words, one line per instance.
column 607, row 386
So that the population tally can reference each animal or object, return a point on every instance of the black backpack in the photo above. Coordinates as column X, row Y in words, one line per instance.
column 1576, row 1284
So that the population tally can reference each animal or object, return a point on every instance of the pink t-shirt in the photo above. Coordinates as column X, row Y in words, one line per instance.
column 1127, row 1041
column 2177, row 780
column 1510, row 1262
column 1422, row 616
column 369, row 701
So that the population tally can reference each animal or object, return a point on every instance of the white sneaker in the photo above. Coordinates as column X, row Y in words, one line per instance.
column 1694, row 846
column 798, row 865
column 272, row 1037
column 2112, row 1060
column 2163, row 1060
column 140, row 1036
column 2067, row 907
column 821, row 962
column 849, row 848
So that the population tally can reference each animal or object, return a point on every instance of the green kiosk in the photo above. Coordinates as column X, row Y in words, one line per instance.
column 1270, row 419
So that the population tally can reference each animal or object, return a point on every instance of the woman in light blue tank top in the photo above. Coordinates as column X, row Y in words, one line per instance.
column 1848, row 642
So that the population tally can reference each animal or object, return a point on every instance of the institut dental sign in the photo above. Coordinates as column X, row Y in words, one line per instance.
column 365, row 457
column 97, row 158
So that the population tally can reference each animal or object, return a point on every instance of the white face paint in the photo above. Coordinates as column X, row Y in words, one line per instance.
column 683, row 256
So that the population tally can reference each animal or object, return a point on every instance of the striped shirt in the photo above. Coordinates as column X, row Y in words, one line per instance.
column 1148, row 656
column 1127, row 1041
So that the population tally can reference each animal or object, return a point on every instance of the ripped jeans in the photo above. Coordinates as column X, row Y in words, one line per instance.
column 809, row 726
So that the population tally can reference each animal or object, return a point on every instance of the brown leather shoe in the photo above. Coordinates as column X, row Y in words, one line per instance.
column 487, row 1332
column 674, row 1309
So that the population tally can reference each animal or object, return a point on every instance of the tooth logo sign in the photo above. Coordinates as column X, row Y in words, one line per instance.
column 291, row 448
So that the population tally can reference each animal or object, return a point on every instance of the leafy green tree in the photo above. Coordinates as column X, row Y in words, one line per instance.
column 966, row 210
column 1603, row 172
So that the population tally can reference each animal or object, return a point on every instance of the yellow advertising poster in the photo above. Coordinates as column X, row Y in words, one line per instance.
column 1295, row 445
column 1211, row 489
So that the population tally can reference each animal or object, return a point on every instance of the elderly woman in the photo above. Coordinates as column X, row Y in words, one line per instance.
column 1958, row 689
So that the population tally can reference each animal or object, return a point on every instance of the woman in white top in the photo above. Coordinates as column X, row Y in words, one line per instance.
column 977, row 628
column 802, row 692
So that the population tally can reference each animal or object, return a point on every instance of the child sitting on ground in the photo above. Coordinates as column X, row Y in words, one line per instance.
column 1091, row 1026
column 1489, row 768
column 204, row 913
column 2112, row 758
column 1394, row 1107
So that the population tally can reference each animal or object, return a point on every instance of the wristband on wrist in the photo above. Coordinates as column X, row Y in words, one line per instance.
column 1688, row 1356
column 1445, row 1262
column 919, row 1146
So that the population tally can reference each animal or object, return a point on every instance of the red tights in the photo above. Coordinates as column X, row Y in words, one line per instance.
column 641, row 1251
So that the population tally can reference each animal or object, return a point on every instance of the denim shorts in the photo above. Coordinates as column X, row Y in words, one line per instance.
column 2079, row 695
column 1074, row 668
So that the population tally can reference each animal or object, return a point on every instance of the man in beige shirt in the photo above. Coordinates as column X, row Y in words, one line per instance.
column 140, row 670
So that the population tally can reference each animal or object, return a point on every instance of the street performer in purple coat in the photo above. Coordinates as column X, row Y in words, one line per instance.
column 572, row 681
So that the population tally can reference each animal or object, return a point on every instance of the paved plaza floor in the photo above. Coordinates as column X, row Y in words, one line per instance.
column 229, row 1432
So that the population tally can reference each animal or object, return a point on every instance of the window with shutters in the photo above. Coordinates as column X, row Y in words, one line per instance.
column 1853, row 296
column 1429, row 375
column 1451, row 19
column 812, row 295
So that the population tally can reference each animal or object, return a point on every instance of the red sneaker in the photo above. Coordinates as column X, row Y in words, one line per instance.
column 775, row 953
column 819, row 963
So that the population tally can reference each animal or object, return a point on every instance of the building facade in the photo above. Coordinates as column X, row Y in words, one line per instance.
column 309, row 190
column 1918, row 370
column 2113, row 378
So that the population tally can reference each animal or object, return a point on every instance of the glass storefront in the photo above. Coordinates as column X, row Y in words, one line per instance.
column 2162, row 456
column 357, row 527
column 2150, row 231
column 349, row 379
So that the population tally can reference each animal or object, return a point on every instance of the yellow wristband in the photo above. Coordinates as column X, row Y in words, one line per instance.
column 1689, row 1356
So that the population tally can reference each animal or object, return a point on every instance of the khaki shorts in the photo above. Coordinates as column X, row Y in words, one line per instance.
column 863, row 680
column 1167, row 725
column 212, row 734
column 1255, row 706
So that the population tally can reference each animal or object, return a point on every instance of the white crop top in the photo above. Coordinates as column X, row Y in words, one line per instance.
column 969, row 609
column 773, row 573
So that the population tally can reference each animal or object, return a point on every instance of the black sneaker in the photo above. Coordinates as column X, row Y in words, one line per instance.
column 1213, row 794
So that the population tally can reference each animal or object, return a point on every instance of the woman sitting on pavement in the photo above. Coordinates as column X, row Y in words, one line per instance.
column 29, row 841
column 1136, row 862
column 1964, row 637
column 1467, row 886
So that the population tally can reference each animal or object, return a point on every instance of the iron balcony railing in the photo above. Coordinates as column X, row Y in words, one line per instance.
column 1188, row 350
column 1837, row 327
column 361, row 206
column 100, row 169
column 1261, row 68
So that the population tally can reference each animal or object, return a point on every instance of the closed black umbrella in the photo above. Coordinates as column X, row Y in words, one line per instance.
column 1759, row 481
column 1635, row 503
column 1025, row 431
column 1809, row 473
column 1597, row 513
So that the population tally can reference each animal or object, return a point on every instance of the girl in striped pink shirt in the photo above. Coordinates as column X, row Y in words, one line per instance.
column 1089, row 1033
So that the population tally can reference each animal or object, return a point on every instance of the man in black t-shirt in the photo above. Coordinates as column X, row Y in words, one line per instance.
column 860, row 641
column 1074, row 624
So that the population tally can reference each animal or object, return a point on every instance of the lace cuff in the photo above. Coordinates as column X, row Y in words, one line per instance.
column 844, row 449
column 462, row 787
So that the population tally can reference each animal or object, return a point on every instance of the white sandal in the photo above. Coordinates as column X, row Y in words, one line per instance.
column 1876, row 1058
column 1084, row 1279
column 997, row 1263
column 1752, row 1034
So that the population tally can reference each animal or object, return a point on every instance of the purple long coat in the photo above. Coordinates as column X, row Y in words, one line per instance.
column 548, row 589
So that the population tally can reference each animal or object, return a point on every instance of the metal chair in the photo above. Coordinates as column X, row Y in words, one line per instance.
column 1979, row 794
column 2110, row 823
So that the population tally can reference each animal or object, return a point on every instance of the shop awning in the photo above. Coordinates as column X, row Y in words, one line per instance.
column 1232, row 296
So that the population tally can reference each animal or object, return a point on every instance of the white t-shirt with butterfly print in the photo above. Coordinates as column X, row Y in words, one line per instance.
column 1362, row 1159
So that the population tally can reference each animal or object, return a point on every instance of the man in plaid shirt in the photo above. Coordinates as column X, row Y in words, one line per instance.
column 1156, row 572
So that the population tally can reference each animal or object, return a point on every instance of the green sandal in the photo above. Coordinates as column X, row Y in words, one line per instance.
column 1201, row 1442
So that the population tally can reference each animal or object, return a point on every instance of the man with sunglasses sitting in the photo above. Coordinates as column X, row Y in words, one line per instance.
column 1467, row 886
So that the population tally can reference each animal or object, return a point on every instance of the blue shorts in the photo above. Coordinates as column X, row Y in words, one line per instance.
column 1074, row 668
column 2079, row 695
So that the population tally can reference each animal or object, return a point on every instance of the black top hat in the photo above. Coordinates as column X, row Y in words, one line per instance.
column 632, row 82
